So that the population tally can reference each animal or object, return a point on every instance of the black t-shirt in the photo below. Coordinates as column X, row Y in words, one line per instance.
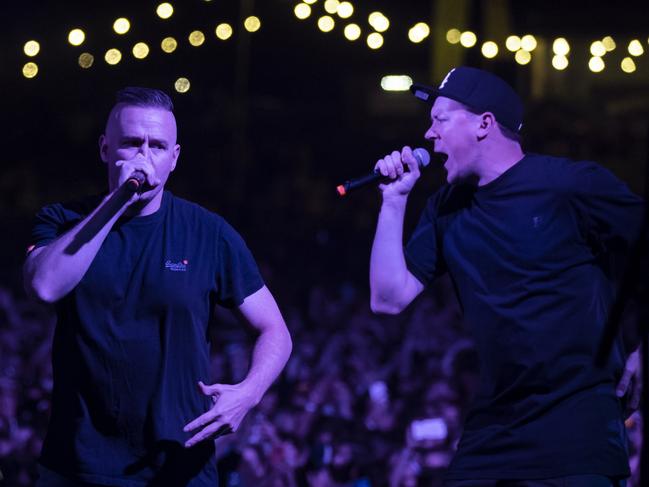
column 530, row 255
column 132, row 341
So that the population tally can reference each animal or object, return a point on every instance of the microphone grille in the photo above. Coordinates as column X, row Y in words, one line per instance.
column 422, row 156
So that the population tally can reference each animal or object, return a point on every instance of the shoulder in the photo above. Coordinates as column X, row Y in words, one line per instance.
column 69, row 210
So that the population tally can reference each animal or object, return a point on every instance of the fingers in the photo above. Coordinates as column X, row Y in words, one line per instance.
column 410, row 160
column 211, row 431
column 392, row 165
column 138, row 163
column 210, row 390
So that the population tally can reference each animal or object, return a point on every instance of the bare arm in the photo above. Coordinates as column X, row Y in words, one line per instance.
column 52, row 271
column 270, row 353
column 392, row 285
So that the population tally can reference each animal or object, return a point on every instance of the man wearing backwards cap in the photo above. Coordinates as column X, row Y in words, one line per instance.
column 527, row 240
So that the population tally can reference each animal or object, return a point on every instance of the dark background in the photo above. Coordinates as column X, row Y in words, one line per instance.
column 274, row 120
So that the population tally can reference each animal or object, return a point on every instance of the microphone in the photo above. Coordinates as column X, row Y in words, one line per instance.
column 135, row 182
column 423, row 159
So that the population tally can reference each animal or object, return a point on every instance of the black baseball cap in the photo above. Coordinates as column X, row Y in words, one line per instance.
column 480, row 90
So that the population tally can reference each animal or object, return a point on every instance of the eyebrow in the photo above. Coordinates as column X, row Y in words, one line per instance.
column 136, row 138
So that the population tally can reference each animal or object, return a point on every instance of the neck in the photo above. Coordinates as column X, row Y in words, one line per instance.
column 145, row 207
column 498, row 160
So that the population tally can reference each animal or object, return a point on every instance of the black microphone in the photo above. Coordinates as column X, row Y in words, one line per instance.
column 423, row 159
column 135, row 182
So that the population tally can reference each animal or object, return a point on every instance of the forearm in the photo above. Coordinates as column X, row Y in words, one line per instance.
column 270, row 354
column 53, row 271
column 388, row 271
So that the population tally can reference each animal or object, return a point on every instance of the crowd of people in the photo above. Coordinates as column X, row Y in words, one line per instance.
column 364, row 400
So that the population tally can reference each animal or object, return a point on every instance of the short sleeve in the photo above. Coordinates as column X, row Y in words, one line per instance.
column 422, row 253
column 237, row 273
column 49, row 223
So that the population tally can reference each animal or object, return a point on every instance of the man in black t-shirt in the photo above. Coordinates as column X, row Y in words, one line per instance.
column 134, row 276
column 528, row 242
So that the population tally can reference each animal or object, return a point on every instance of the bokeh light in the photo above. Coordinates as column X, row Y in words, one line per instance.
column 30, row 70
column 635, row 48
column 121, row 26
column 164, row 10
column 418, row 32
column 182, row 85
column 559, row 62
column 596, row 64
column 113, row 56
column 374, row 40
column 489, row 49
column 252, row 24
column 86, row 60
column 513, row 43
column 468, row 39
column 326, row 23
column 223, row 31
column 76, row 37
column 302, row 11
column 522, row 56
column 379, row 21
column 597, row 49
column 140, row 50
column 609, row 43
column 628, row 65
column 169, row 44
column 196, row 38
column 345, row 10
column 528, row 42
column 453, row 36
column 31, row 48
column 560, row 46
column 352, row 32
column 396, row 82
column 331, row 6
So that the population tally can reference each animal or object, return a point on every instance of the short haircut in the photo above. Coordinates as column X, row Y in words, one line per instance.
column 507, row 132
column 144, row 97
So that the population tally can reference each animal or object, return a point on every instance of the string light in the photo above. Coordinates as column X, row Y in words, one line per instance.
column 453, row 36
column 331, row 6
column 559, row 62
column 113, row 56
column 30, row 70
column 597, row 49
column 252, row 24
column 609, row 43
column 121, row 26
column 489, row 49
column 302, row 11
column 596, row 64
column 635, row 48
column 31, row 48
column 352, row 32
column 522, row 56
column 628, row 65
column 419, row 32
column 379, row 21
column 76, row 37
column 86, row 60
column 169, row 44
column 468, row 39
column 140, row 50
column 528, row 42
column 326, row 23
column 345, row 10
column 182, row 85
column 513, row 43
column 374, row 40
column 164, row 10
column 196, row 38
column 223, row 31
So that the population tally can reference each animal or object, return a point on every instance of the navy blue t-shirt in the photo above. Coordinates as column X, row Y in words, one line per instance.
column 132, row 341
column 530, row 255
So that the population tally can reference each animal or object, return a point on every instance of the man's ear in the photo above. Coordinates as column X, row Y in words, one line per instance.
column 103, row 148
column 487, row 123
column 176, row 155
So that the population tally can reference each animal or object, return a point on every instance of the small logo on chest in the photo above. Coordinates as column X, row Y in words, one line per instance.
column 180, row 266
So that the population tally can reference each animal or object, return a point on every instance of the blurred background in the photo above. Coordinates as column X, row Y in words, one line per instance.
column 277, row 102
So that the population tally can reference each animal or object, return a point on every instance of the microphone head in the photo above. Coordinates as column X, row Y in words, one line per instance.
column 422, row 156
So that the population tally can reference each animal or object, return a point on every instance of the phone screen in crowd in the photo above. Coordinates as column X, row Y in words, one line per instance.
column 428, row 429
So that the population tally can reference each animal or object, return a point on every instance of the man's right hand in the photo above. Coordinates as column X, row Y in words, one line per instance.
column 142, row 164
column 392, row 166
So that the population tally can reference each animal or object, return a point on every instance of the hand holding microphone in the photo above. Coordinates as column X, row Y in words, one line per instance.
column 141, row 175
column 389, row 169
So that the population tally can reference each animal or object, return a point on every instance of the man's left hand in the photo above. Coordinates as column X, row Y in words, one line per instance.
column 630, row 384
column 231, row 404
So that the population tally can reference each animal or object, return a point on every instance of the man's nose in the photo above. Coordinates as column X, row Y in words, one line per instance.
column 430, row 134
